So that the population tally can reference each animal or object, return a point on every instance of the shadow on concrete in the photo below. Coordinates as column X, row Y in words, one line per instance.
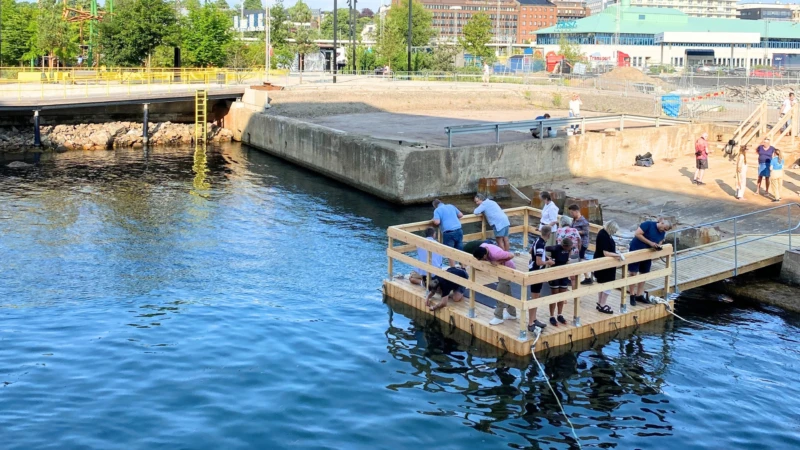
column 726, row 187
column 686, row 172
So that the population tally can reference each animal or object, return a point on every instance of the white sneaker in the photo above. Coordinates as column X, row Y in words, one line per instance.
column 507, row 316
column 495, row 321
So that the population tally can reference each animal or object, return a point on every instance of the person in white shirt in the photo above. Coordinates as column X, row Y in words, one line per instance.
column 486, row 72
column 419, row 276
column 549, row 216
column 575, row 108
column 786, row 108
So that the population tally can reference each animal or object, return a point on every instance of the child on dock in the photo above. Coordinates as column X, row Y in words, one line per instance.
column 560, row 254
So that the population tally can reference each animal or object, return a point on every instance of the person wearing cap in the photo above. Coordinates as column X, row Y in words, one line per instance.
column 701, row 156
column 650, row 234
column 496, row 217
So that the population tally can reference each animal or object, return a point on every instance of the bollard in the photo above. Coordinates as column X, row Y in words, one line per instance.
column 145, row 137
column 37, row 137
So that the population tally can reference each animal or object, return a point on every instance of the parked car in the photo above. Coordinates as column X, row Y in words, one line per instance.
column 766, row 73
column 736, row 71
column 705, row 70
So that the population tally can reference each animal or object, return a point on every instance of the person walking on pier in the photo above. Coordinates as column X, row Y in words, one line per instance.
column 496, row 217
column 496, row 255
column 419, row 276
column 560, row 254
column 549, row 216
column 487, row 72
column 606, row 247
column 741, row 172
column 776, row 172
column 765, row 152
column 539, row 260
column 446, row 217
column 701, row 158
column 786, row 108
column 449, row 290
column 650, row 234
column 582, row 225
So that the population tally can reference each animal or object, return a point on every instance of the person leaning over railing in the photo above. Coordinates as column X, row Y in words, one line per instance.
column 496, row 255
column 419, row 276
column 605, row 246
column 446, row 217
column 496, row 217
column 651, row 235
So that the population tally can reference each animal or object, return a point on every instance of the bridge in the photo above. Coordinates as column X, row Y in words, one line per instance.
column 673, row 271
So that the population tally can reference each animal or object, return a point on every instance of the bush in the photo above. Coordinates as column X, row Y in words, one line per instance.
column 558, row 99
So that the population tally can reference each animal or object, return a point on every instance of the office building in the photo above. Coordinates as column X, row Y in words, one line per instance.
column 720, row 9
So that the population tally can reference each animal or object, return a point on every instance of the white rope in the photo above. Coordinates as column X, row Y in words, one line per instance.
column 538, row 333
column 669, row 310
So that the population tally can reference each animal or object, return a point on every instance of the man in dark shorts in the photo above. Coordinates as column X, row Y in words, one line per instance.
column 446, row 217
column 539, row 260
column 560, row 255
column 449, row 290
column 701, row 155
column 649, row 235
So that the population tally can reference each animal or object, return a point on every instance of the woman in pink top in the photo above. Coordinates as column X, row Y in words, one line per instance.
column 565, row 230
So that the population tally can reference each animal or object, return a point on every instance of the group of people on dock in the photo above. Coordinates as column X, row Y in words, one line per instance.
column 560, row 240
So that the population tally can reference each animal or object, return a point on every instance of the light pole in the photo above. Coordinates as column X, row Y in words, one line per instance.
column 410, row 8
column 267, row 23
column 335, row 42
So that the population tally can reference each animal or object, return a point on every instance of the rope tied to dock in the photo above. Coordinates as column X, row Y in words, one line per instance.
column 698, row 324
column 538, row 333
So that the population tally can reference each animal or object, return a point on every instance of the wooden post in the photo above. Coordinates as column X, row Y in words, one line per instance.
column 472, row 278
column 522, row 314
column 624, row 294
column 391, row 261
column 666, row 279
column 428, row 277
column 576, row 313
column 525, row 220
column 483, row 228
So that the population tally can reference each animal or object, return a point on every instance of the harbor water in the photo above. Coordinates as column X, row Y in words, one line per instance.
column 227, row 299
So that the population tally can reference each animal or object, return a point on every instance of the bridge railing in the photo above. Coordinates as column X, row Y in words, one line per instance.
column 542, row 125
column 529, row 217
column 737, row 241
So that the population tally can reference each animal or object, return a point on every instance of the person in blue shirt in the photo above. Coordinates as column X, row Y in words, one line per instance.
column 765, row 152
column 649, row 235
column 420, row 276
column 535, row 131
column 496, row 217
column 776, row 174
column 446, row 217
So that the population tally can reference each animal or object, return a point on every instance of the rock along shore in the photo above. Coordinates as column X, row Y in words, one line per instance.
column 105, row 136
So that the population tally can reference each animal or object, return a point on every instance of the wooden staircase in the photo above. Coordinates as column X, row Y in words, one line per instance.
column 757, row 126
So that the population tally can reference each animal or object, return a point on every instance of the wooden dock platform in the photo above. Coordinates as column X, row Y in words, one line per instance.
column 685, row 269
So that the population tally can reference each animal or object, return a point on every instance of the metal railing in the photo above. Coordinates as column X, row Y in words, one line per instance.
column 736, row 242
column 541, row 125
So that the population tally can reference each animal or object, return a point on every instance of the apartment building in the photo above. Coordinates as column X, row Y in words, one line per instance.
column 534, row 15
column 720, row 9
column 571, row 9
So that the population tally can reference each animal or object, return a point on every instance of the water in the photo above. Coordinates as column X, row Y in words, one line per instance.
column 231, row 301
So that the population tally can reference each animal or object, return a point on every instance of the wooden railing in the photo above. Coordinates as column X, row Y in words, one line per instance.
column 754, row 125
column 776, row 135
column 410, row 242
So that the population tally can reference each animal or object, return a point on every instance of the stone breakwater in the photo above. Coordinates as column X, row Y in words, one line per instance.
column 105, row 136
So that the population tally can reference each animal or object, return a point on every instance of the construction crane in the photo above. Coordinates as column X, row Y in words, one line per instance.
column 93, row 16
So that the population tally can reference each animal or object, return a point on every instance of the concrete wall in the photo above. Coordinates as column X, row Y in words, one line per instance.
column 407, row 174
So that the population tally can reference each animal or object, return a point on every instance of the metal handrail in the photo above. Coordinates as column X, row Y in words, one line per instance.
column 556, row 122
column 736, row 243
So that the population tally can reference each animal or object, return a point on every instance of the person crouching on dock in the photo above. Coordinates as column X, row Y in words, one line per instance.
column 449, row 290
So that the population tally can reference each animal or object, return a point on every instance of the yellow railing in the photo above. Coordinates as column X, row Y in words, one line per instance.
column 410, row 241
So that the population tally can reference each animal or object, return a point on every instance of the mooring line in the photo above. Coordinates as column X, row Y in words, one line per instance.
column 669, row 310
column 538, row 333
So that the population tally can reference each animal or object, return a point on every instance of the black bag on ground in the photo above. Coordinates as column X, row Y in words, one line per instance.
column 645, row 160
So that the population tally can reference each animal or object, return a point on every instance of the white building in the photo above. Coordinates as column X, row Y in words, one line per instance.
column 598, row 5
column 721, row 9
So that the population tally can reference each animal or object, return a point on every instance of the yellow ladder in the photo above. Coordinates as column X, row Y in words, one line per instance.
column 200, row 116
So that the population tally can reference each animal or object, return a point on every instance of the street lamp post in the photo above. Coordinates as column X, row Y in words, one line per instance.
column 335, row 41
column 410, row 7
column 267, row 23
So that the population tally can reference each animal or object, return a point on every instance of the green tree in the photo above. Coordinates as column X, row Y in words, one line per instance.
column 55, row 37
column 572, row 52
column 477, row 33
column 392, row 42
column 300, row 12
column 17, row 31
column 137, row 28
column 343, row 26
column 253, row 4
column 206, row 35
column 278, row 29
column 303, row 45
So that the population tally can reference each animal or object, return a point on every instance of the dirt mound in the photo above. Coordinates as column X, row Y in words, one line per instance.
column 627, row 74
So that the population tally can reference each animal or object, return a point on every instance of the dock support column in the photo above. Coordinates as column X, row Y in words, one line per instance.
column 576, row 312
column 522, row 313
column 145, row 131
column 37, row 135
column 623, row 305
column 666, row 279
column 525, row 224
column 471, row 313
column 390, row 260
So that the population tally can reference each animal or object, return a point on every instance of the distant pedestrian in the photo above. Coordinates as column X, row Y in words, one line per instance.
column 496, row 255
column 786, row 108
column 549, row 216
column 535, row 131
column 560, row 254
column 741, row 172
column 446, row 217
column 575, row 109
column 701, row 158
column 496, row 217
column 539, row 260
column 649, row 235
column 582, row 225
column 606, row 247
column 765, row 152
column 487, row 71
column 776, row 175
column 420, row 276
column 449, row 290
